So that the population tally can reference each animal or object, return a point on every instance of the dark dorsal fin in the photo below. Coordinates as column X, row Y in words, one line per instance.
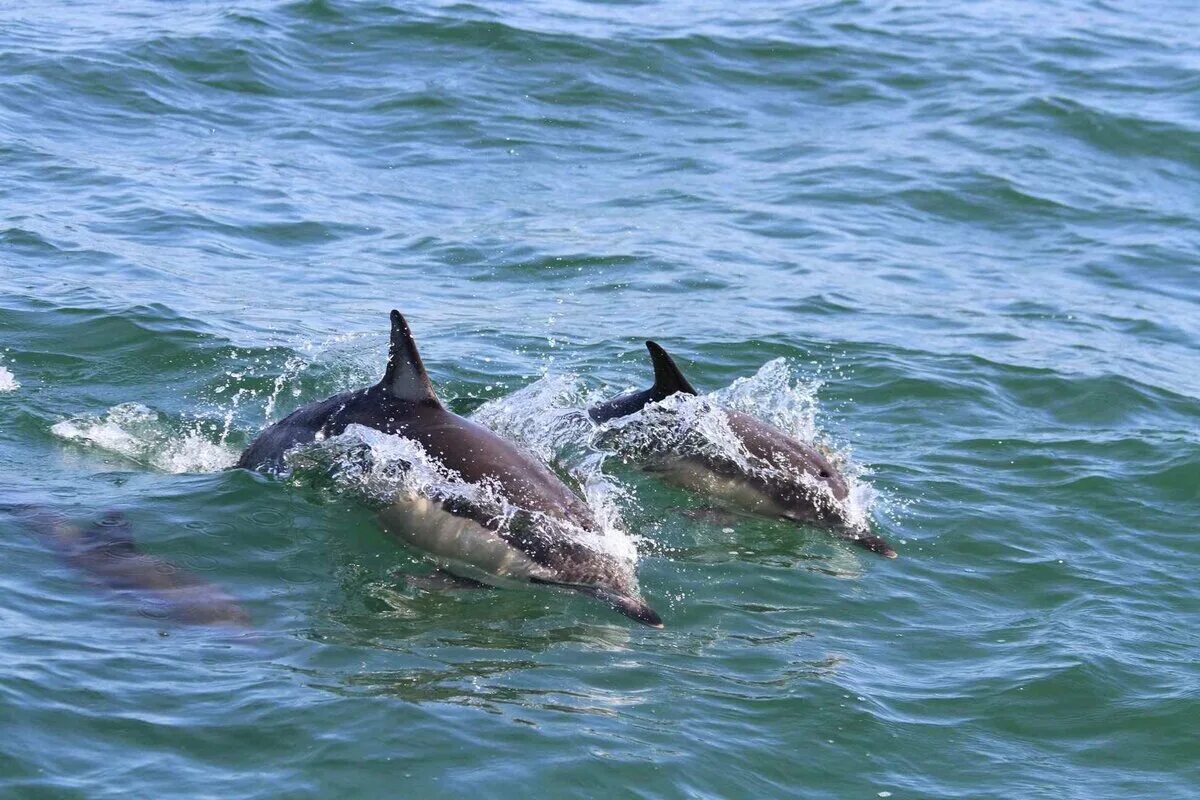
column 667, row 378
column 405, row 378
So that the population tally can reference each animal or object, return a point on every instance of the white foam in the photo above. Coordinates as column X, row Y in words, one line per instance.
column 548, row 418
column 135, row 432
column 8, row 382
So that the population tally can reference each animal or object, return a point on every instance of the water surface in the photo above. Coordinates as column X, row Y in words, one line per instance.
column 962, row 238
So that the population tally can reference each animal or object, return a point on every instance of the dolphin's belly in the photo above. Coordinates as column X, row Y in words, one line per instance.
column 735, row 490
column 459, row 543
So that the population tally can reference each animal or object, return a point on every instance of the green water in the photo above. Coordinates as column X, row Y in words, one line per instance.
column 968, row 230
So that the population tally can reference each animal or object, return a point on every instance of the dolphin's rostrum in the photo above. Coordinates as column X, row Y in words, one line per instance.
column 777, row 476
column 543, row 542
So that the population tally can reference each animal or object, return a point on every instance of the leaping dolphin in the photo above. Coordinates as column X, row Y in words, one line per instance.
column 542, row 543
column 778, row 475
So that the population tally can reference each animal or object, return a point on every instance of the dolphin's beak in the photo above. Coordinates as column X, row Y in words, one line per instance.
column 870, row 542
column 637, row 609
column 631, row 606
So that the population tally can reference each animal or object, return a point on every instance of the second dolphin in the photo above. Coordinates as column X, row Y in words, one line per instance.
column 773, row 473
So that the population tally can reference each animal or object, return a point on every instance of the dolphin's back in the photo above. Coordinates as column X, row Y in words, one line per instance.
column 265, row 453
column 105, row 552
column 467, row 448
column 478, row 455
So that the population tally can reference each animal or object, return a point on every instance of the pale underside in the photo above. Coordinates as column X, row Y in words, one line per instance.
column 695, row 476
column 459, row 544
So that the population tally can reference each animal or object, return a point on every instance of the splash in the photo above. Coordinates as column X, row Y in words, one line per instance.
column 778, row 395
column 8, row 382
column 548, row 419
column 380, row 468
column 139, row 434
column 292, row 369
column 686, row 425
column 253, row 390
column 679, row 425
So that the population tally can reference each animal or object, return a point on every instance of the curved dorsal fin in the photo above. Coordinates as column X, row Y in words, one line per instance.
column 405, row 378
column 667, row 378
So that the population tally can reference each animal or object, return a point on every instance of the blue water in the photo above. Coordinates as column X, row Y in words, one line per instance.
column 954, row 243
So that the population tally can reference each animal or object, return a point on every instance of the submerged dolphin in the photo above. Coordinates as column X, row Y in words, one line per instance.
column 542, row 543
column 785, row 477
column 105, row 552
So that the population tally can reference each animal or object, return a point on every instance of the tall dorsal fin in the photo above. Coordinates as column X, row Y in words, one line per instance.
column 667, row 378
column 405, row 378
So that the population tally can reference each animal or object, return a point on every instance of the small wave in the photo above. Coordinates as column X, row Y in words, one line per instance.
column 139, row 434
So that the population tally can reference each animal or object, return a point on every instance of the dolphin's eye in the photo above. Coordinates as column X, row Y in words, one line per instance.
column 824, row 473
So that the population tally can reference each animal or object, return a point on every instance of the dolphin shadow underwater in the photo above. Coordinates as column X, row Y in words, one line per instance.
column 541, row 536
column 776, row 474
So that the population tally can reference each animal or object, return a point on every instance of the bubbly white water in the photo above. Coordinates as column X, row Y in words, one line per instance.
column 139, row 434
column 777, row 393
column 8, row 382
column 548, row 418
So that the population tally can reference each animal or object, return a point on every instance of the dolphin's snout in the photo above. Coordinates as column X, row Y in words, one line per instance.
column 861, row 536
column 637, row 609
column 633, row 607
column 873, row 543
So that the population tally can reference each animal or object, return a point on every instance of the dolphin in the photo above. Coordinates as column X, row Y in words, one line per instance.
column 105, row 552
column 542, row 542
column 777, row 476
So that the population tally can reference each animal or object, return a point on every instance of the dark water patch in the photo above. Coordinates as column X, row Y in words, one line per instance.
column 1176, row 481
column 982, row 199
column 1116, row 133
column 20, row 238
column 113, row 88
